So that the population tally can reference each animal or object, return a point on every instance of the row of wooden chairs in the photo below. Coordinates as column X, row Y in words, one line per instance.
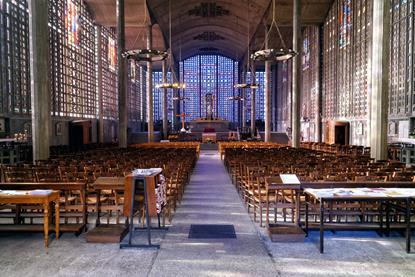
column 87, row 166
column 250, row 168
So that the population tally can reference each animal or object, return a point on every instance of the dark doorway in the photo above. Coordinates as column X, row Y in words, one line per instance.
column 341, row 134
column 76, row 135
column 79, row 133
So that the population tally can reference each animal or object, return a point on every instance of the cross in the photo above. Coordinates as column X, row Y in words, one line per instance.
column 183, row 116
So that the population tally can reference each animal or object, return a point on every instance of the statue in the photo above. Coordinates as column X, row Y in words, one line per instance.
column 209, row 106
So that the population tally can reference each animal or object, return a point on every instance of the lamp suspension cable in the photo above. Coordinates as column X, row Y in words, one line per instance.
column 272, row 54
column 252, row 84
column 174, row 84
column 144, row 55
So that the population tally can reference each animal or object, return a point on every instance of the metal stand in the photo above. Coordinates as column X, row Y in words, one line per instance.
column 148, row 227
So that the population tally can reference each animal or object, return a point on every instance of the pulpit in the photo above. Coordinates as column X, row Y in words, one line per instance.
column 146, row 186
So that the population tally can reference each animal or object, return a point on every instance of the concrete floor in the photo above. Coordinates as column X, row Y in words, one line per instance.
column 210, row 198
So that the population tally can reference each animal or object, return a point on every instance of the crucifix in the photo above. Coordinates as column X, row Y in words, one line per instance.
column 183, row 117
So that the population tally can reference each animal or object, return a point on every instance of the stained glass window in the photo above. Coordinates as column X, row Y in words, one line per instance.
column 345, row 22
column 191, row 77
column 210, row 74
column 134, row 92
column 259, row 96
column 14, row 57
column 158, row 96
column 72, row 59
column 109, row 76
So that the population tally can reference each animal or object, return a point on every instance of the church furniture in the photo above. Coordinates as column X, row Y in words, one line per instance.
column 283, row 196
column 35, row 197
column 108, row 233
column 115, row 184
column 72, row 202
column 401, row 198
column 208, row 137
column 177, row 160
column 147, row 184
column 315, row 169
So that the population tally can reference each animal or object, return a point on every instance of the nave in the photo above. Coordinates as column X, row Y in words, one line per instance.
column 209, row 198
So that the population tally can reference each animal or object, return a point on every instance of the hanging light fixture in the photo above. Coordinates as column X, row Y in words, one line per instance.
column 236, row 98
column 167, row 85
column 177, row 98
column 144, row 55
column 171, row 86
column 247, row 85
column 281, row 54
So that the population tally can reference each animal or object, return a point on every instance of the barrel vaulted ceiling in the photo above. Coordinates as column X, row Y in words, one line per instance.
column 207, row 26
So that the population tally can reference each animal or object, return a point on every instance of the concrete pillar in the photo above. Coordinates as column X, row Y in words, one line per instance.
column 243, row 102
column 150, row 117
column 122, row 90
column 253, row 102
column 380, row 80
column 39, row 79
column 165, row 104
column 296, row 79
column 267, row 92
column 143, row 98
column 99, row 86
column 319, row 95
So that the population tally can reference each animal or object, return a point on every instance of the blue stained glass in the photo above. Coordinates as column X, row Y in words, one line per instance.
column 259, row 96
column 158, row 96
column 212, row 74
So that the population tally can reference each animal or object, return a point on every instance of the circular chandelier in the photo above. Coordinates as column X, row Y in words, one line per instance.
column 273, row 55
column 145, row 55
column 236, row 98
column 246, row 86
column 171, row 86
column 281, row 54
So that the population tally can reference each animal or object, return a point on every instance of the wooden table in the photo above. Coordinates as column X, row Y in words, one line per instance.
column 41, row 197
column 78, row 211
column 385, row 196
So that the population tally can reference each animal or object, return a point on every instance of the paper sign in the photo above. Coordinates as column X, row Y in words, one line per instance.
column 290, row 179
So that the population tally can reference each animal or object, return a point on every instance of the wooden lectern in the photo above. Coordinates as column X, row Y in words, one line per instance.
column 151, row 182
column 135, row 188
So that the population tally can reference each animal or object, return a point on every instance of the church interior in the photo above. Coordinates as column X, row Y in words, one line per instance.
column 207, row 138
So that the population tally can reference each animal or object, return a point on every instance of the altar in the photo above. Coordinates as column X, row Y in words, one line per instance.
column 209, row 125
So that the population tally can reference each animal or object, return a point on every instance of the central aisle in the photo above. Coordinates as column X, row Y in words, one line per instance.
column 210, row 198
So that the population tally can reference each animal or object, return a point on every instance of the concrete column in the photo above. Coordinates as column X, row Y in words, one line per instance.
column 122, row 90
column 39, row 79
column 253, row 94
column 165, row 113
column 99, row 86
column 150, row 117
column 243, row 103
column 296, row 79
column 380, row 80
column 143, row 98
column 267, row 92
column 319, row 100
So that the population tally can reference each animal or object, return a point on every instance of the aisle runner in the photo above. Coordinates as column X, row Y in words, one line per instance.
column 211, row 199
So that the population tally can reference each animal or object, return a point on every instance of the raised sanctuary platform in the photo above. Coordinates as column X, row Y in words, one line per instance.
column 209, row 125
